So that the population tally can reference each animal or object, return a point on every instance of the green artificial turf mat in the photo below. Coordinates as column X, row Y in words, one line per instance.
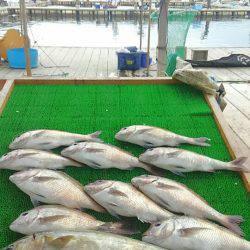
column 87, row 108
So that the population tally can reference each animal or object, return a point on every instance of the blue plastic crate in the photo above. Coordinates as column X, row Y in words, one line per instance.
column 144, row 59
column 17, row 60
column 129, row 61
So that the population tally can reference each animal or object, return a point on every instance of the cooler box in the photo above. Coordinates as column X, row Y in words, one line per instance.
column 129, row 61
column 17, row 60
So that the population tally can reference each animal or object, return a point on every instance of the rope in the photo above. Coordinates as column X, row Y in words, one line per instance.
column 63, row 73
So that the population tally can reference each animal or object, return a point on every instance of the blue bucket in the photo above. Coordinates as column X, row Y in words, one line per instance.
column 17, row 60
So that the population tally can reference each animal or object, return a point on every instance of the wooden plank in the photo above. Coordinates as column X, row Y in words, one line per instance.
column 243, row 89
column 237, row 100
column 93, row 63
column 120, row 80
column 238, row 123
column 234, row 149
column 112, row 62
column 102, row 67
column 86, row 61
column 5, row 94
column 2, row 82
column 78, row 63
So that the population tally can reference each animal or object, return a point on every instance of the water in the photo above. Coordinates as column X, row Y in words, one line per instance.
column 120, row 33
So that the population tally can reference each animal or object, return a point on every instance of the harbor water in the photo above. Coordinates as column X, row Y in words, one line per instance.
column 125, row 32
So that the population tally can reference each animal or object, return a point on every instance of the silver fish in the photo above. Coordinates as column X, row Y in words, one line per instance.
column 50, row 218
column 53, row 187
column 121, row 198
column 22, row 159
column 102, row 156
column 186, row 233
column 148, row 136
column 50, row 139
column 178, row 198
column 86, row 240
column 180, row 160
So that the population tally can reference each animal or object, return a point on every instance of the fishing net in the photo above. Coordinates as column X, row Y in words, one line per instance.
column 178, row 25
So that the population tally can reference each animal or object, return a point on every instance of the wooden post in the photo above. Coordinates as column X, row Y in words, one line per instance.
column 208, row 4
column 162, row 38
column 149, row 30
column 25, row 34
column 141, row 18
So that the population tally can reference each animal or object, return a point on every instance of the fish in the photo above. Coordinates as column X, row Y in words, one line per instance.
column 178, row 198
column 187, row 233
column 50, row 218
column 53, row 187
column 45, row 139
column 180, row 160
column 85, row 240
column 22, row 159
column 120, row 198
column 148, row 137
column 102, row 156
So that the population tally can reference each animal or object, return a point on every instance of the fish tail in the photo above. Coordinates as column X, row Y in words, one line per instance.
column 152, row 169
column 238, row 165
column 123, row 228
column 202, row 141
column 95, row 136
column 231, row 222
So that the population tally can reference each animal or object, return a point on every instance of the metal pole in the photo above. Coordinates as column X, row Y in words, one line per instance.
column 149, row 31
column 141, row 18
column 162, row 38
column 25, row 34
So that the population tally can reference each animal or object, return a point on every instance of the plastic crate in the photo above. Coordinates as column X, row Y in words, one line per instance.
column 144, row 59
column 17, row 60
column 129, row 61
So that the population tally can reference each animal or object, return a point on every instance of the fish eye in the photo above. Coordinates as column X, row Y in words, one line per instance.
column 157, row 224
column 99, row 181
column 10, row 247
column 151, row 149
column 124, row 128
column 24, row 214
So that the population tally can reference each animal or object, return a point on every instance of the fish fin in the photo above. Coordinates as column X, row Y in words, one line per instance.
column 95, row 136
column 148, row 144
column 155, row 170
column 202, row 141
column 237, row 165
column 111, row 211
column 231, row 221
column 163, row 186
column 43, row 178
column 123, row 228
column 51, row 218
column 116, row 192
column 173, row 154
column 94, row 165
column 35, row 202
column 178, row 173
column 94, row 150
column 60, row 242
column 186, row 232
column 142, row 131
column 163, row 203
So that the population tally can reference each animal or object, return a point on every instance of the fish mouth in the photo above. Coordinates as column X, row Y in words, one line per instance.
column 143, row 180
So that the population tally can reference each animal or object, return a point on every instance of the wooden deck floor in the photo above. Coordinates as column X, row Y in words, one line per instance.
column 76, row 63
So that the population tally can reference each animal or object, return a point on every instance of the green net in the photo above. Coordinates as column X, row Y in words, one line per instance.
column 178, row 26
column 87, row 108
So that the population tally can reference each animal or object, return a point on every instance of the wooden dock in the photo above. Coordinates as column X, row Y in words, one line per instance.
column 121, row 11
